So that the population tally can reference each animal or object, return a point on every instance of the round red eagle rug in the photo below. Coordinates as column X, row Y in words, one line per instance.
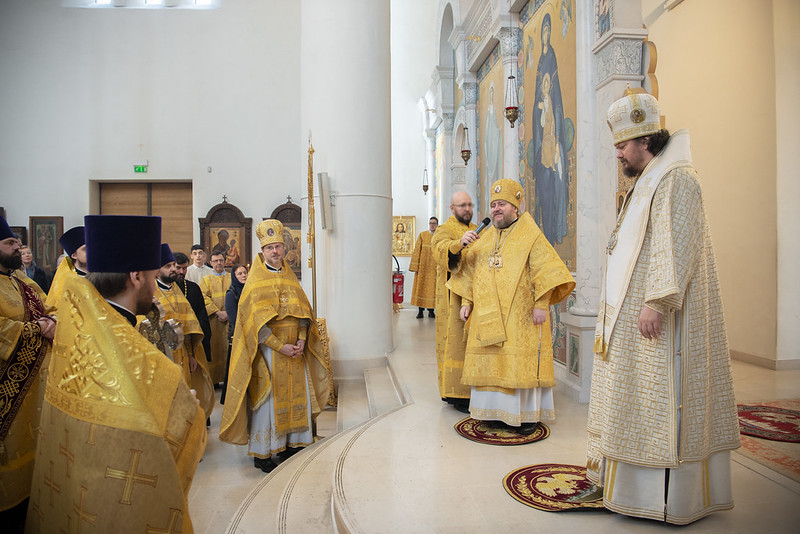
column 491, row 433
column 548, row 486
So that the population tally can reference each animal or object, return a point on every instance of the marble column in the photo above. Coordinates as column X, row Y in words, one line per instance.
column 345, row 81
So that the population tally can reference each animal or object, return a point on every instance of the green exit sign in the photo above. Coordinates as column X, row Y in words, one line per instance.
column 140, row 168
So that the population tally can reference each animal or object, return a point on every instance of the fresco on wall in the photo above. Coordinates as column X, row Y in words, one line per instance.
column 491, row 88
column 548, row 149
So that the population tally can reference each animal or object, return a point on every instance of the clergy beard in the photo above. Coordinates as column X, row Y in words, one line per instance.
column 465, row 218
column 11, row 261
column 167, row 280
column 630, row 172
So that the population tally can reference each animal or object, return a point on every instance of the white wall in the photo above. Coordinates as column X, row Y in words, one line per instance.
column 87, row 92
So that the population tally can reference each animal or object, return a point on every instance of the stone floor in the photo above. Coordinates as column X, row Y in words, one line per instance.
column 408, row 471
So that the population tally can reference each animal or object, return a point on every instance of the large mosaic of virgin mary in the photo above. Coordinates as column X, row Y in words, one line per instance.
column 550, row 164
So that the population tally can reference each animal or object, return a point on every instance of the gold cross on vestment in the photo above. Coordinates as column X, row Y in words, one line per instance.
column 172, row 524
column 35, row 506
column 50, row 484
column 64, row 449
column 82, row 515
column 176, row 442
column 131, row 477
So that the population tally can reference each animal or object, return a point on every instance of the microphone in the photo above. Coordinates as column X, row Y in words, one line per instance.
column 484, row 223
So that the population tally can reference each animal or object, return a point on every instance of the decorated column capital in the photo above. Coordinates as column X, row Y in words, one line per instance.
column 470, row 90
column 448, row 120
column 619, row 57
column 510, row 40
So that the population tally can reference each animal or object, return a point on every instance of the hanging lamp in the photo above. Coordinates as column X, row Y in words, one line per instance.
column 466, row 153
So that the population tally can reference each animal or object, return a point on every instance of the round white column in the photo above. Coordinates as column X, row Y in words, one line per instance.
column 345, row 90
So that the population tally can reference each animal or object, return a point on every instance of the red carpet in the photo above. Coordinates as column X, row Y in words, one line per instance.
column 548, row 486
column 782, row 456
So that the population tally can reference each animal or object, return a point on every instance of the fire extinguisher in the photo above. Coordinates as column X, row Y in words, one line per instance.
column 397, row 284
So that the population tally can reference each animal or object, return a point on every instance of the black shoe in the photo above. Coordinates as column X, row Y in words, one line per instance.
column 265, row 464
column 431, row 314
column 527, row 429
column 462, row 405
column 419, row 313
column 289, row 452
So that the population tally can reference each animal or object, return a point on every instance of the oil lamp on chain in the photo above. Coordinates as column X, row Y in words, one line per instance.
column 512, row 104
column 465, row 151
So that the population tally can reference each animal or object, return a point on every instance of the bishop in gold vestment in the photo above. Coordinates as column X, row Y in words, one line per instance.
column 662, row 415
column 508, row 278
column 121, row 433
column 214, row 287
column 277, row 380
column 423, row 295
column 450, row 342
column 25, row 334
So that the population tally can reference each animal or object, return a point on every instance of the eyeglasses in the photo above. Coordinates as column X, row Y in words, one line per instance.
column 462, row 205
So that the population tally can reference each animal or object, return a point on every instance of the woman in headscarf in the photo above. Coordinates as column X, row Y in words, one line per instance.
column 231, row 308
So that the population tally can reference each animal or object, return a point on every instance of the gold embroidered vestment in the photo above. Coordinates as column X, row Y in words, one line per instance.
column 179, row 309
column 503, row 343
column 214, row 288
column 634, row 409
column 450, row 342
column 276, row 300
column 20, row 337
column 121, row 433
column 423, row 294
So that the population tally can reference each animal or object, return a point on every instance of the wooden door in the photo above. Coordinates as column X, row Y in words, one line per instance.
column 172, row 201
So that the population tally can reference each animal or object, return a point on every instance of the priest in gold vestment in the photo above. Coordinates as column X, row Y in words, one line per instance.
column 190, row 355
column 73, row 242
column 214, row 287
column 507, row 278
column 277, row 381
column 26, row 331
column 450, row 343
column 423, row 294
column 662, row 414
column 121, row 434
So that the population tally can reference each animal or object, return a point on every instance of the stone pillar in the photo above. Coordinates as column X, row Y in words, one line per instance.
column 345, row 81
column 510, row 39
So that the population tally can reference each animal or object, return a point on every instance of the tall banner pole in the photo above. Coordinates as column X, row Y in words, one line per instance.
column 322, row 326
column 312, row 259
